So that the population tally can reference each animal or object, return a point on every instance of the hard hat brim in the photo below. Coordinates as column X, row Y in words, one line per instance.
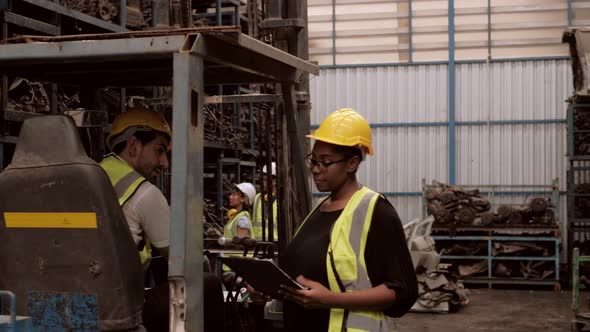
column 331, row 141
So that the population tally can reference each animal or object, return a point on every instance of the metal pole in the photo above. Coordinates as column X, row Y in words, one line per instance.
column 489, row 29
column 123, row 15
column 154, row 13
column 452, row 89
column 410, row 44
column 570, row 13
column 334, row 32
column 218, row 11
column 186, row 229
column 576, row 281
column 268, row 183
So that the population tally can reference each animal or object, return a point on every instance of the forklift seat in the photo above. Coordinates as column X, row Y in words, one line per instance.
column 66, row 250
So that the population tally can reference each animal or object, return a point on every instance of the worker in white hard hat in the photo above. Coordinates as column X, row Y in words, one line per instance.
column 350, row 252
column 268, row 201
column 240, row 199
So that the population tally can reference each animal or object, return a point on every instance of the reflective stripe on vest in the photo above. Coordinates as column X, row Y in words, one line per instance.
column 348, row 239
column 257, row 219
column 231, row 228
column 125, row 180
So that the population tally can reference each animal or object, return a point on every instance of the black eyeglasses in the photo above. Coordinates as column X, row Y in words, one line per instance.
column 311, row 163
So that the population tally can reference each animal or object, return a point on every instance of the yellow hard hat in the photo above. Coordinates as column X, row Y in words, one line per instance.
column 345, row 127
column 141, row 118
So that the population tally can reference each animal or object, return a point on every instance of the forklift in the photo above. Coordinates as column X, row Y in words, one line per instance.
column 67, row 256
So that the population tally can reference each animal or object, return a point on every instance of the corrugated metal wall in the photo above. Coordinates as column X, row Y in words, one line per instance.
column 510, row 123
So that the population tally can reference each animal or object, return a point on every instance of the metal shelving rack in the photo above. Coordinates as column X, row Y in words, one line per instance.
column 578, row 226
column 490, row 279
column 506, row 233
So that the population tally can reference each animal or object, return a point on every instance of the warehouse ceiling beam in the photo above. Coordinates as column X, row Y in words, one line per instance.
column 230, row 58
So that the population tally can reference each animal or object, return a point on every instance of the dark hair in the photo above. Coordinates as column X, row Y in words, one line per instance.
column 348, row 151
column 143, row 136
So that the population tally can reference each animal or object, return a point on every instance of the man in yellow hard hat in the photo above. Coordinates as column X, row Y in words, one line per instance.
column 140, row 141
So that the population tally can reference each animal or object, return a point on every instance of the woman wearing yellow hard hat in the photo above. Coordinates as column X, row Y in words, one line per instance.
column 350, row 252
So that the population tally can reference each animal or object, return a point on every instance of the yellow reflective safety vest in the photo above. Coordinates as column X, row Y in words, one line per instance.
column 125, row 180
column 257, row 219
column 345, row 262
column 231, row 228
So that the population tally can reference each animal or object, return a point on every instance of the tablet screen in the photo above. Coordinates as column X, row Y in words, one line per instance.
column 263, row 275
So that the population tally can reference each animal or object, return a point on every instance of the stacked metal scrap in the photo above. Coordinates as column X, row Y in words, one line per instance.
column 510, row 269
column 222, row 127
column 451, row 204
column 138, row 12
column 33, row 97
column 439, row 294
column 455, row 205
column 582, row 203
column 438, row 290
column 582, row 140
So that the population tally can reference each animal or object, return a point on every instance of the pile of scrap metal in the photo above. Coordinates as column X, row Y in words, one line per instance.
column 582, row 139
column 438, row 290
column 34, row 97
column 508, row 269
column 138, row 11
column 221, row 127
column 582, row 203
column 453, row 205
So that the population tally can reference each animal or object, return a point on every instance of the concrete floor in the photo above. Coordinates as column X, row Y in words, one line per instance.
column 498, row 310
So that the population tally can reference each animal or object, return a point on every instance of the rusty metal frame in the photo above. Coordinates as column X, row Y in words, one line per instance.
column 182, row 60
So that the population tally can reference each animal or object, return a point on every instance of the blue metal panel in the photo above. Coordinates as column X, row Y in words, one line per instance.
column 63, row 311
column 452, row 96
column 425, row 63
column 510, row 122
column 386, row 64
column 461, row 123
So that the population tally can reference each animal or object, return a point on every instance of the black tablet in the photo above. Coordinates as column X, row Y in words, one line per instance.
column 263, row 275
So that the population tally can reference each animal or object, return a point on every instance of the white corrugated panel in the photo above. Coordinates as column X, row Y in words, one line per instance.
column 511, row 154
column 522, row 90
column 486, row 154
column 403, row 156
column 396, row 94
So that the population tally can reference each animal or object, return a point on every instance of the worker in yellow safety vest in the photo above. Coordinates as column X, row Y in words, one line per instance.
column 140, row 141
column 240, row 199
column 259, row 203
column 350, row 252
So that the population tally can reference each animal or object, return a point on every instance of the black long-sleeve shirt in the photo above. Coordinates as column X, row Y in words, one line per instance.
column 387, row 259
